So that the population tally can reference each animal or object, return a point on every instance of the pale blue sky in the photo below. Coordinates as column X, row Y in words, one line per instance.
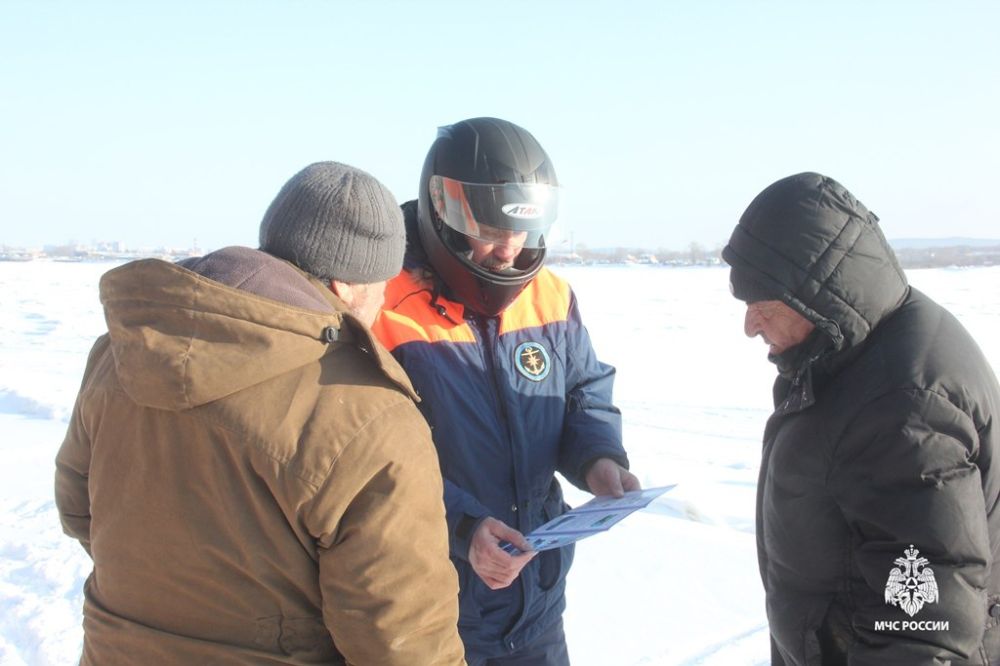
column 161, row 122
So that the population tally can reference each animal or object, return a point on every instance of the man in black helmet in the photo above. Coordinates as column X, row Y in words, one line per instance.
column 509, row 382
column 878, row 506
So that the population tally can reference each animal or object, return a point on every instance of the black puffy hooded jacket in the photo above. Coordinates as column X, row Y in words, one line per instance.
column 877, row 505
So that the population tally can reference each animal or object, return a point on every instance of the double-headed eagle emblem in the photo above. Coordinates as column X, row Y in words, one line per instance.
column 911, row 583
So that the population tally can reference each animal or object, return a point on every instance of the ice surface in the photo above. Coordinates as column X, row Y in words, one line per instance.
column 676, row 583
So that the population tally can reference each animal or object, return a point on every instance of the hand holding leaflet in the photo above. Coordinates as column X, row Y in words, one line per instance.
column 588, row 519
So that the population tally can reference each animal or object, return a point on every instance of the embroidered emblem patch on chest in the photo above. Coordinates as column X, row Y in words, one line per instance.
column 532, row 361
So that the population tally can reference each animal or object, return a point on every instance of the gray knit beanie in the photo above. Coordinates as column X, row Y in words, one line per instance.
column 336, row 222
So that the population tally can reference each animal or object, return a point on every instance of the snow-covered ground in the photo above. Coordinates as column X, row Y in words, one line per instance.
column 674, row 584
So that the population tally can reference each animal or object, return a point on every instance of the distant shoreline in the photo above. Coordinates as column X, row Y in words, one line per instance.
column 911, row 252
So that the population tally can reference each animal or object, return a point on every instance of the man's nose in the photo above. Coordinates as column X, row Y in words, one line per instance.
column 505, row 252
column 751, row 323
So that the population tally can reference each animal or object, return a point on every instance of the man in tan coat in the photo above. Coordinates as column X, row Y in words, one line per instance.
column 245, row 463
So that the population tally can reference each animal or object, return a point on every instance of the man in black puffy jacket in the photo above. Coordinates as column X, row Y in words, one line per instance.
column 877, row 506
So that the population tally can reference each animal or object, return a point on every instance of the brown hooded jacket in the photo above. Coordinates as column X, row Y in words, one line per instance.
column 247, row 468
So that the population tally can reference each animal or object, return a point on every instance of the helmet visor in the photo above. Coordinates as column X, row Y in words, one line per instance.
column 514, row 214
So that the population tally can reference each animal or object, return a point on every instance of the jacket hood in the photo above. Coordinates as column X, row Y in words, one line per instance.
column 186, row 334
column 807, row 240
column 415, row 256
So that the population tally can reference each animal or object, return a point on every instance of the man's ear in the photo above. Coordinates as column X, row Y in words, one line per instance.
column 343, row 290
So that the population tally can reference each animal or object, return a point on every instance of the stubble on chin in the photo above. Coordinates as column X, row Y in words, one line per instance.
column 496, row 265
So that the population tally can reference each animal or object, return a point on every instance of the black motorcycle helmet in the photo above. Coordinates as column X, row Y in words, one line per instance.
column 486, row 181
